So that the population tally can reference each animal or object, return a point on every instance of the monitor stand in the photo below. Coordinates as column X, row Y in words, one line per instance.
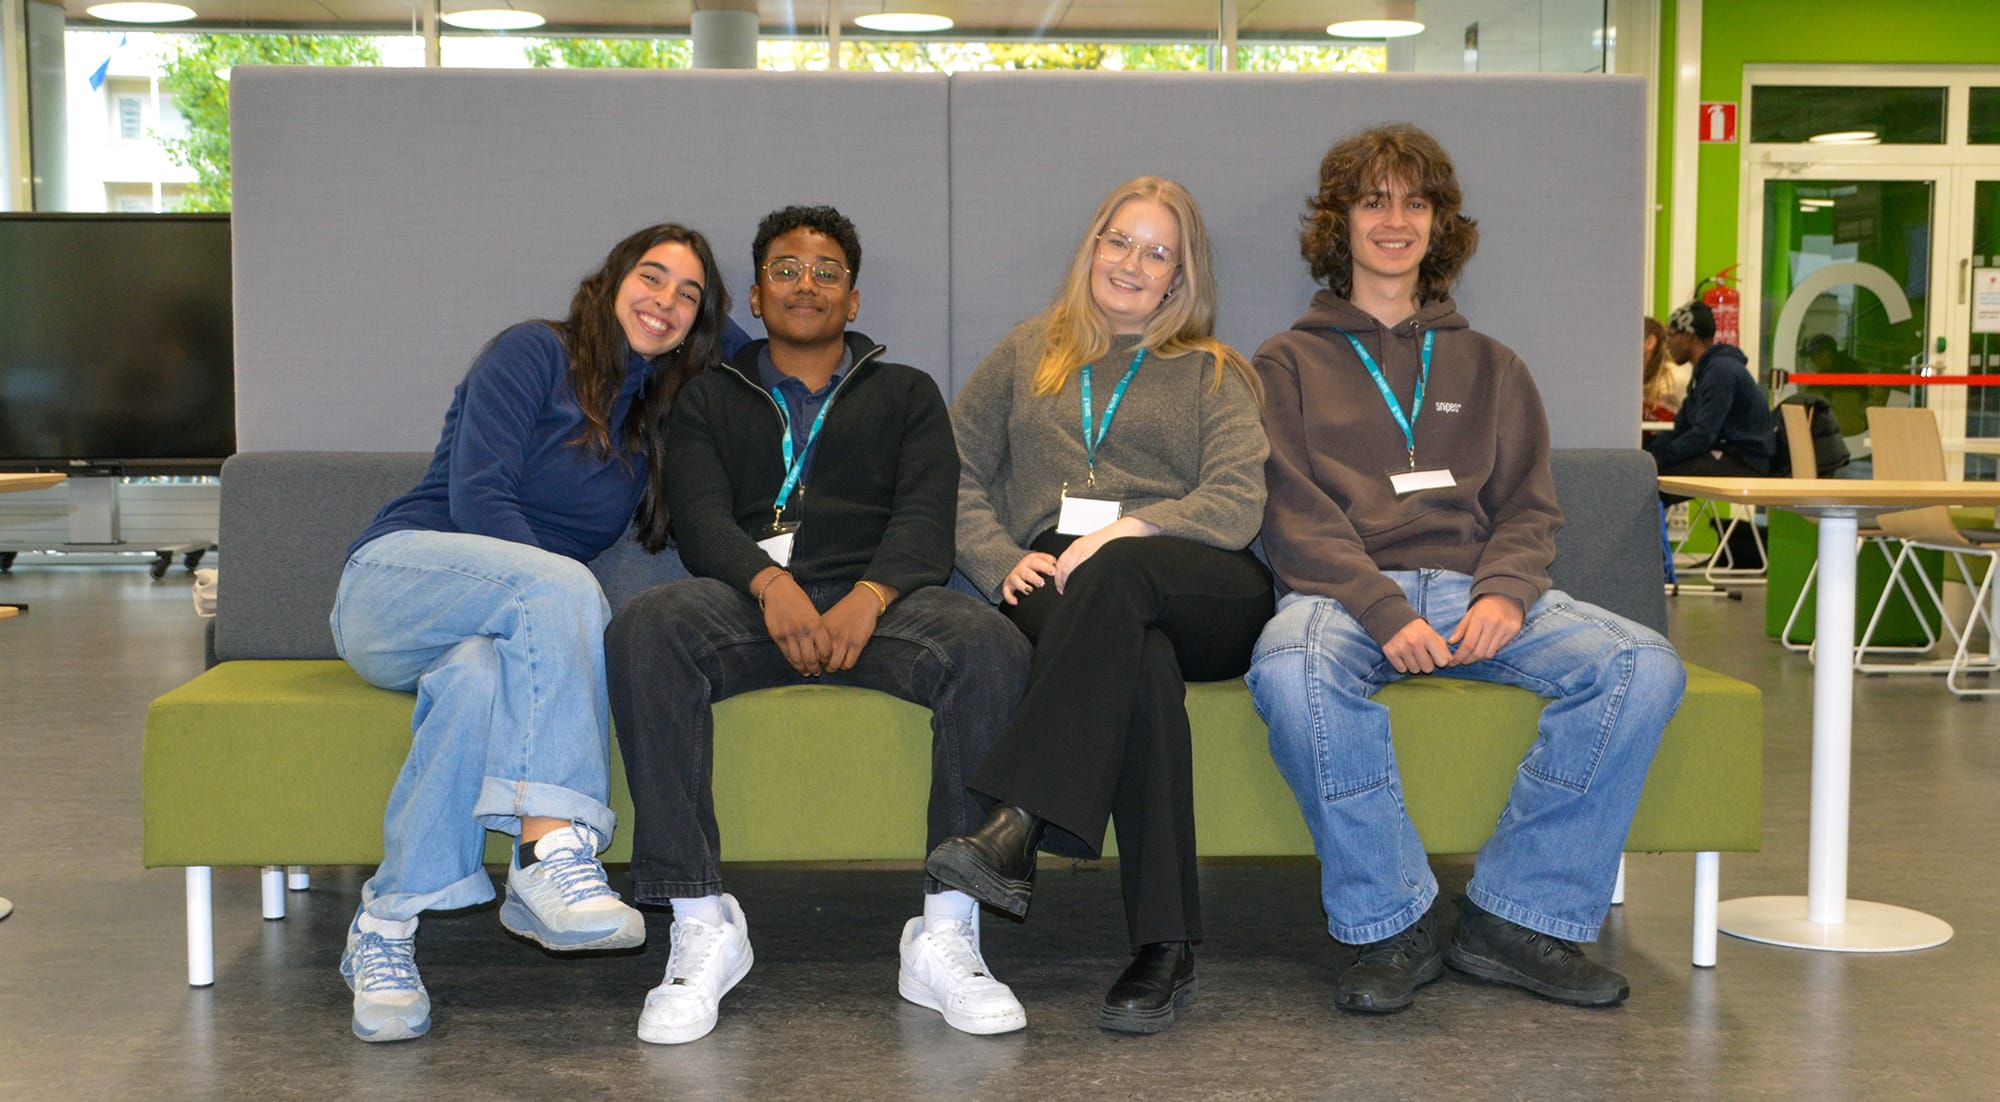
column 93, row 509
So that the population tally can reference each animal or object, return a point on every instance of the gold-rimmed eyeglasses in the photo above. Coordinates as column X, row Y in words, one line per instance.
column 1155, row 261
column 790, row 269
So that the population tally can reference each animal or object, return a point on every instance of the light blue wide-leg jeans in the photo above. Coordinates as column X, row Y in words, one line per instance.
column 504, row 646
column 1611, row 684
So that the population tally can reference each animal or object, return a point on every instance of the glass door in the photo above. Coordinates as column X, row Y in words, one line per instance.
column 1844, row 283
column 1975, row 326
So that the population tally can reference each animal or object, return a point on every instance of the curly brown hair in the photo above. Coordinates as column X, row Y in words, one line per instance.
column 1361, row 164
column 598, row 355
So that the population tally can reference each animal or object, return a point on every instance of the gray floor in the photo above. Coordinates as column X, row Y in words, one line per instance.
column 93, row 1000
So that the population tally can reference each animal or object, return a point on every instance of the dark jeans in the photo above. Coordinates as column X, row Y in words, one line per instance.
column 1706, row 465
column 680, row 647
column 1102, row 731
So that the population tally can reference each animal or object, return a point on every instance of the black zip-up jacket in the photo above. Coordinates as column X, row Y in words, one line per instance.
column 880, row 499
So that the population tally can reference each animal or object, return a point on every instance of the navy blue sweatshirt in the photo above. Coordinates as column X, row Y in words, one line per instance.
column 1724, row 409
column 504, row 466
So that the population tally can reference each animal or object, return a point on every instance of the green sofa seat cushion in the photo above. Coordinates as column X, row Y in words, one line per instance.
column 262, row 762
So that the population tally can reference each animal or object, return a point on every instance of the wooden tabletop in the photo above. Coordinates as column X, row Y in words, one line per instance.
column 35, row 481
column 1834, row 493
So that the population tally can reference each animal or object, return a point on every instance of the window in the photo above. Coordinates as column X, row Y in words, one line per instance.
column 130, row 113
column 1983, row 124
column 1890, row 116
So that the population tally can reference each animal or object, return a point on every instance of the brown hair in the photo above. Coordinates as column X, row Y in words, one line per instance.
column 598, row 354
column 1076, row 330
column 1657, row 383
column 1363, row 163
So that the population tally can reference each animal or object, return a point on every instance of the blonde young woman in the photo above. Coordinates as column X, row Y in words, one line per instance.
column 1112, row 477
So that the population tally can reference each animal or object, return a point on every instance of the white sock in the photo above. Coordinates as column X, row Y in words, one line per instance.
column 950, row 906
column 707, row 909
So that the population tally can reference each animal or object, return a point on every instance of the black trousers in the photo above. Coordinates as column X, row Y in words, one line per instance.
column 678, row 648
column 1102, row 731
column 1707, row 465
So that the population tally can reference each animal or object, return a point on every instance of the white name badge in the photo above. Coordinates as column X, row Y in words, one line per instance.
column 1410, row 481
column 1081, row 516
column 779, row 546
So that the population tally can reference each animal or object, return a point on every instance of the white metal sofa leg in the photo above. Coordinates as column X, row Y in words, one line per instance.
column 297, row 878
column 1707, row 898
column 273, row 877
column 200, row 927
column 1618, row 886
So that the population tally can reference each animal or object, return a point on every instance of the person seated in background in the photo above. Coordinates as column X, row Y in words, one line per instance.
column 1723, row 428
column 1660, row 396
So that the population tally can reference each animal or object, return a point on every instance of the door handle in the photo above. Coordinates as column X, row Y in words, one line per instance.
column 1964, row 277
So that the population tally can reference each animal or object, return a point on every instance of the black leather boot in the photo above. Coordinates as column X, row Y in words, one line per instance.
column 1159, row 981
column 994, row 864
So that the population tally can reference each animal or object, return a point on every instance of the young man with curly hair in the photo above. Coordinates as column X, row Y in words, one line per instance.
column 1411, row 522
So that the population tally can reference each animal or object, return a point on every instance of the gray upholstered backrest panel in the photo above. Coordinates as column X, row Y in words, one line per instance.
column 1608, row 552
column 389, row 221
column 287, row 518
column 1552, row 168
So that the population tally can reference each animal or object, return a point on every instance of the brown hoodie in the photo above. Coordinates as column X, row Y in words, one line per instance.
column 1333, row 524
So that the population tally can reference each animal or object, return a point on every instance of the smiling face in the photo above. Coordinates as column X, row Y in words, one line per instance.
column 658, row 299
column 804, row 312
column 1389, row 230
column 1125, row 282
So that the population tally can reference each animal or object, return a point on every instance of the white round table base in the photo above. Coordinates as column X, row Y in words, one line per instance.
column 1870, row 927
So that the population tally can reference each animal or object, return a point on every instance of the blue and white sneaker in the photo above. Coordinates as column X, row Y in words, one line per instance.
column 380, row 966
column 561, row 901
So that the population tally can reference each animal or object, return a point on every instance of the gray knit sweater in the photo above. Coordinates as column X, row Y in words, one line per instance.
column 1179, row 454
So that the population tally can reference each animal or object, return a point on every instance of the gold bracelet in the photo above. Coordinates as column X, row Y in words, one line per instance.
column 760, row 594
column 880, row 595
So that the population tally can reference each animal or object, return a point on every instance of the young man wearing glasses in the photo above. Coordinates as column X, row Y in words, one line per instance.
column 813, row 488
column 1411, row 522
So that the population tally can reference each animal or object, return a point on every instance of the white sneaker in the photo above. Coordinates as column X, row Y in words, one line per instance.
column 705, row 963
column 942, row 970
column 562, row 902
column 380, row 966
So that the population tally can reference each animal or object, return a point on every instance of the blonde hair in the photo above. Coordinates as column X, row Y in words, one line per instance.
column 1075, row 330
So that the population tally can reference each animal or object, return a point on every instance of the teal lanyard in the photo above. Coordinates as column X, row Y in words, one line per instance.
column 1110, row 410
column 1407, row 424
column 795, row 466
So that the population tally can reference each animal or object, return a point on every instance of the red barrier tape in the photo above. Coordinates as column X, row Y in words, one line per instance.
column 1842, row 379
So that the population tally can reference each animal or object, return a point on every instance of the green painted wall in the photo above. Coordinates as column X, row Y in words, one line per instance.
column 1739, row 32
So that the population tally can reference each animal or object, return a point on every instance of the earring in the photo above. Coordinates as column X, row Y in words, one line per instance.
column 1169, row 296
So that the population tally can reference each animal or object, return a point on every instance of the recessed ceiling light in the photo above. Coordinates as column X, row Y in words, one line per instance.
column 903, row 22
column 1815, row 204
column 132, row 11
column 1847, row 137
column 1375, row 28
column 493, row 19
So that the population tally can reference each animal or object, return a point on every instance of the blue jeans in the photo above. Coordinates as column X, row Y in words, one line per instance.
column 677, row 649
column 1553, row 857
column 504, row 646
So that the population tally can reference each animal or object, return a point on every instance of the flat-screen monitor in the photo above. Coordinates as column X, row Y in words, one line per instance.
column 115, row 343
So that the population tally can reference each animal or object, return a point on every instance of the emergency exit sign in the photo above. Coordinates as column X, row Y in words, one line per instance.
column 1718, row 122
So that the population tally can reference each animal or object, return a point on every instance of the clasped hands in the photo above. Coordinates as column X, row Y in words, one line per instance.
column 1490, row 624
column 815, row 642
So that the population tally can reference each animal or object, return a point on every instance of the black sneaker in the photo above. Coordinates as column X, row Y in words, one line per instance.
column 1493, row 949
column 1385, row 974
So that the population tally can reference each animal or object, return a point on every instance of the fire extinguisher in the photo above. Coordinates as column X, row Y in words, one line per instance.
column 1719, row 294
